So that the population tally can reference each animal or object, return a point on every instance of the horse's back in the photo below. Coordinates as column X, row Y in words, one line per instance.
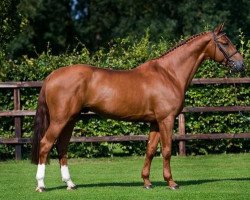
column 70, row 71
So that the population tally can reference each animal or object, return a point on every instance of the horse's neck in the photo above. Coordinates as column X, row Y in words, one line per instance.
column 184, row 61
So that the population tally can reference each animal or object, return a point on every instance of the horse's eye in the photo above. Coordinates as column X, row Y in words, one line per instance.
column 225, row 44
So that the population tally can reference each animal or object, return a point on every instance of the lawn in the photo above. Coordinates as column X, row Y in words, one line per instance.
column 200, row 177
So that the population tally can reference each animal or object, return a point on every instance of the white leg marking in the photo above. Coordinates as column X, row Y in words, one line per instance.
column 66, row 177
column 40, row 176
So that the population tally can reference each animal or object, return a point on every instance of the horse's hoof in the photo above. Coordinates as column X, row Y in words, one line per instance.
column 71, row 187
column 40, row 189
column 174, row 187
column 148, row 187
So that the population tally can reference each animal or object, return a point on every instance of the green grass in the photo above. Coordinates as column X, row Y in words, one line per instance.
column 201, row 177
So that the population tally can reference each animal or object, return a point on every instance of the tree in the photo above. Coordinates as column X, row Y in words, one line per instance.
column 107, row 20
column 194, row 15
column 30, row 26
column 10, row 20
column 46, row 23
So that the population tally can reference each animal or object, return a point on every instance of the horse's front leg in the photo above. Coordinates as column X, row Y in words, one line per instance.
column 153, row 141
column 166, row 130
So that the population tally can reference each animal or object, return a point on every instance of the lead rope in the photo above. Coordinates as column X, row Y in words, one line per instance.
column 247, row 119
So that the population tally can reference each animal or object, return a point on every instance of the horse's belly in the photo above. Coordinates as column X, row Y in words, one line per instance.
column 148, row 117
column 123, row 111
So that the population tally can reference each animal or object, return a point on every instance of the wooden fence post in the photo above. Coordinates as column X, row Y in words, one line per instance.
column 182, row 144
column 17, row 121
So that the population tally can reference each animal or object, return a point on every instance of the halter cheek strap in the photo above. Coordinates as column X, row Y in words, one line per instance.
column 222, row 50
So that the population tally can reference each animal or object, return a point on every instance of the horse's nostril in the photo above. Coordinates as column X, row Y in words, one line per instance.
column 242, row 66
column 237, row 66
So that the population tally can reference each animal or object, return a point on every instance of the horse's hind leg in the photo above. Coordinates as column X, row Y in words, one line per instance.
column 46, row 144
column 62, row 147
column 152, row 144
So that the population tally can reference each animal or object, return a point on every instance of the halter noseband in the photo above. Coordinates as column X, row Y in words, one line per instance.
column 226, row 55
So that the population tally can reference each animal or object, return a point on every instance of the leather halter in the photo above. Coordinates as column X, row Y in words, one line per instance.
column 223, row 51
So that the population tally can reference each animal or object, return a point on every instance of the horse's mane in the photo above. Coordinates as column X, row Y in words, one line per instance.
column 182, row 43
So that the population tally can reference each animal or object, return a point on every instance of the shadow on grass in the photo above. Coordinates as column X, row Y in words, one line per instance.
column 156, row 184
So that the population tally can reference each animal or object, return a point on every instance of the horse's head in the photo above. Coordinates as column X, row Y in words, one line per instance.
column 223, row 51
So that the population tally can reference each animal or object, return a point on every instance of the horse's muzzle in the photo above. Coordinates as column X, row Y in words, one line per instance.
column 237, row 66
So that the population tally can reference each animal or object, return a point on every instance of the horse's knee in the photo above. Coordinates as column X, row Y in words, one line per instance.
column 166, row 153
column 151, row 149
column 150, row 153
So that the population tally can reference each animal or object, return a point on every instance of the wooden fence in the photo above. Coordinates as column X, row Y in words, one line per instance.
column 182, row 136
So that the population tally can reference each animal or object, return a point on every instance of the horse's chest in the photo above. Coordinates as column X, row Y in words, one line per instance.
column 168, row 100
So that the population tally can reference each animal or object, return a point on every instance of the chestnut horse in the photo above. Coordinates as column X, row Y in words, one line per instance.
column 152, row 92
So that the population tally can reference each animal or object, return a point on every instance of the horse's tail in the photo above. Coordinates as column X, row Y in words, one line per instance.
column 41, row 124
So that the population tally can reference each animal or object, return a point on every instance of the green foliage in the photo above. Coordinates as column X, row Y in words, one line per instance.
column 9, row 21
column 126, row 54
column 32, row 24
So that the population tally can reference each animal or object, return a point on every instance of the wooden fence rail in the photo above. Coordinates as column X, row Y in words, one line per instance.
column 182, row 136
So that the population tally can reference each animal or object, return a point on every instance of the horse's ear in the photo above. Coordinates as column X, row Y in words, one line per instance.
column 219, row 29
